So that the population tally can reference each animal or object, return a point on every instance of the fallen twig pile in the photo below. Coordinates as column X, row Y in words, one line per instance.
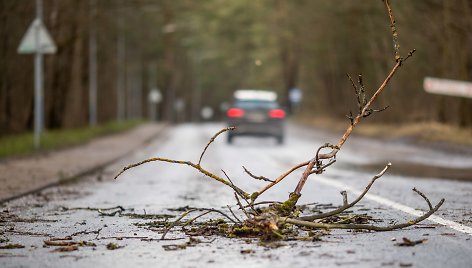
column 276, row 220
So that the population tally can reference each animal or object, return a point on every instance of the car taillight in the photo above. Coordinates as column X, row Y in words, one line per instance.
column 277, row 113
column 235, row 112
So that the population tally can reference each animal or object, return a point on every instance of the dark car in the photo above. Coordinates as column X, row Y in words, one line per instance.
column 256, row 113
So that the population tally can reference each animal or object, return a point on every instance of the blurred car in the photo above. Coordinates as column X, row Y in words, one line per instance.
column 256, row 113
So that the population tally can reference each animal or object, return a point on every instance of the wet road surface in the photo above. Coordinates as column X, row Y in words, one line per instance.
column 155, row 188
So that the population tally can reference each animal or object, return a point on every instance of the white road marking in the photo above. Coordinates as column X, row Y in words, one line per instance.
column 384, row 201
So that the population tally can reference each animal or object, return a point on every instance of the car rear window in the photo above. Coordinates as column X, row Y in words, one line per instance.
column 256, row 104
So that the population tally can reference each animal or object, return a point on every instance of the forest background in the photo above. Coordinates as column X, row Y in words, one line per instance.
column 198, row 52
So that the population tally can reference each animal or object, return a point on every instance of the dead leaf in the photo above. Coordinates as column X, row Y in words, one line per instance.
column 59, row 243
column 410, row 243
column 66, row 249
column 60, row 238
column 12, row 246
column 247, row 251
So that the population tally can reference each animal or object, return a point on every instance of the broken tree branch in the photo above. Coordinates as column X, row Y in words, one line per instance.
column 265, row 221
column 318, row 225
column 188, row 163
column 347, row 205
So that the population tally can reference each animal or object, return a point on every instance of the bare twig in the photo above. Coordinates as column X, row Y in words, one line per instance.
column 362, row 226
column 396, row 46
column 367, row 106
column 362, row 98
column 176, row 221
column 212, row 139
column 305, row 176
column 241, row 206
column 188, row 163
column 321, row 169
column 206, row 211
column 424, row 197
column 196, row 217
column 97, row 232
column 93, row 209
column 409, row 54
column 309, row 168
column 232, row 213
column 357, row 91
column 280, row 178
column 262, row 178
column 345, row 204
column 290, row 171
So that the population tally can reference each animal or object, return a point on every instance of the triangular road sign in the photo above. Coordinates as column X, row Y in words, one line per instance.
column 28, row 43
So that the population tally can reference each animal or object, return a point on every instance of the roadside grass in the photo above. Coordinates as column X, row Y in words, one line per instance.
column 22, row 144
column 419, row 131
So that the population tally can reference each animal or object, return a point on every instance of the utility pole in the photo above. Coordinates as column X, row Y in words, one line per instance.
column 92, row 64
column 38, row 80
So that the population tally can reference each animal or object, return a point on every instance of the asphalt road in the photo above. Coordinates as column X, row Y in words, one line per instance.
column 156, row 187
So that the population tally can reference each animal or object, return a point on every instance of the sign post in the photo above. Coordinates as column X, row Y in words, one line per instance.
column 38, row 41
column 154, row 97
column 448, row 87
column 295, row 98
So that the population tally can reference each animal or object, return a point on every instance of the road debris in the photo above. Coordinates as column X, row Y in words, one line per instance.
column 66, row 248
column 12, row 246
column 113, row 246
column 410, row 243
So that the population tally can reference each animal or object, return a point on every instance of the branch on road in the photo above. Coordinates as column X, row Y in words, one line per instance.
column 315, row 165
column 281, row 220
column 197, row 166
column 347, row 205
column 318, row 225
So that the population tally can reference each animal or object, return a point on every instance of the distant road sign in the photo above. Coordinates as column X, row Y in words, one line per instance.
column 28, row 43
column 448, row 87
column 155, row 95
column 295, row 95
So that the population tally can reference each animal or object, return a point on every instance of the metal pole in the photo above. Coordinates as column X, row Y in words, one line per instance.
column 38, row 80
column 151, row 85
column 121, row 50
column 92, row 66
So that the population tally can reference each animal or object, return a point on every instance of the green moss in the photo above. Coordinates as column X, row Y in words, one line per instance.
column 87, row 244
column 246, row 231
column 278, row 235
column 223, row 227
column 254, row 196
column 113, row 246
column 287, row 207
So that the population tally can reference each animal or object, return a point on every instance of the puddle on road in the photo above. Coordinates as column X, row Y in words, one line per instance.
column 417, row 170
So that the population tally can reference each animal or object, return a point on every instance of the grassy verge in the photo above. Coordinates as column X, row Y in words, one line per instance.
column 422, row 131
column 22, row 144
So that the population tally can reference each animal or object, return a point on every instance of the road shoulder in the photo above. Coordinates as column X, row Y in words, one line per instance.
column 29, row 174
